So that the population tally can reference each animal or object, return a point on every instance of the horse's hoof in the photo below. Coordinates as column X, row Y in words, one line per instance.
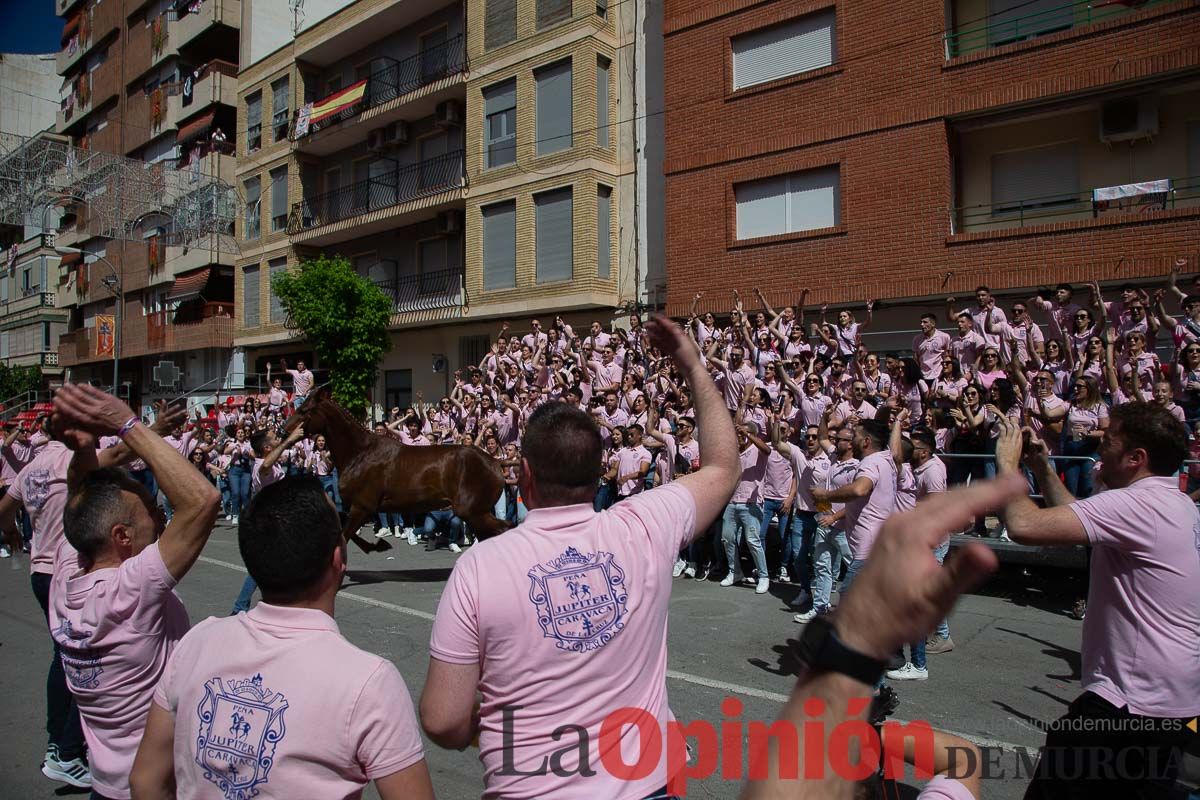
column 382, row 545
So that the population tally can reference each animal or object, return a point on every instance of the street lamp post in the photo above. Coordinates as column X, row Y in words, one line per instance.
column 113, row 284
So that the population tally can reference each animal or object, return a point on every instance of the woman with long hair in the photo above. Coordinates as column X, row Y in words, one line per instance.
column 1087, row 419
column 607, row 494
column 907, row 387
column 969, row 442
column 1185, row 376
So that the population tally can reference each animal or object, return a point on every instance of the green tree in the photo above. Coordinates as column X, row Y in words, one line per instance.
column 18, row 380
column 345, row 317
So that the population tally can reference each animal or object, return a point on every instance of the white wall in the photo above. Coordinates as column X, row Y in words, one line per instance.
column 28, row 88
column 268, row 25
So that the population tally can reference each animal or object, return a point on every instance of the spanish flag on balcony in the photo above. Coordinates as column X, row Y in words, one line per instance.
column 338, row 101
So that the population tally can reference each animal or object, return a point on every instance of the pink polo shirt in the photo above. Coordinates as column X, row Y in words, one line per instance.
column 42, row 488
column 116, row 628
column 754, row 468
column 866, row 515
column 629, row 461
column 777, row 479
column 810, row 471
column 275, row 702
column 1141, row 645
column 929, row 351
column 13, row 459
column 258, row 480
column 566, row 615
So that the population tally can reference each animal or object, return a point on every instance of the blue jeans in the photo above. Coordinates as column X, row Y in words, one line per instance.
column 852, row 571
column 244, row 596
column 330, row 484
column 943, row 628
column 771, row 510
column 1077, row 473
column 798, row 547
column 298, row 401
column 830, row 550
column 444, row 520
column 390, row 520
column 917, row 650
column 739, row 519
column 239, row 489
column 226, row 495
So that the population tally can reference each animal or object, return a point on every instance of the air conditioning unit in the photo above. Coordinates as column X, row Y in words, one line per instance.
column 397, row 134
column 449, row 113
column 376, row 141
column 449, row 222
column 1128, row 119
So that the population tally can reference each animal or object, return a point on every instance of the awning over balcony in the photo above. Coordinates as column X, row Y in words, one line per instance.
column 72, row 27
column 70, row 259
column 196, row 128
column 189, row 286
column 338, row 101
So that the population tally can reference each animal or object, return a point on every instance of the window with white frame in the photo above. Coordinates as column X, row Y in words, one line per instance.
column 793, row 203
column 500, row 123
column 790, row 48
column 1035, row 178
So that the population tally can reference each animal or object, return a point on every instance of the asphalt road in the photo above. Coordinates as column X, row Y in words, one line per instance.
column 1016, row 661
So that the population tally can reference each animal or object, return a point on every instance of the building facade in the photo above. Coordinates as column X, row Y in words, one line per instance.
column 464, row 156
column 911, row 151
column 28, row 88
column 154, row 81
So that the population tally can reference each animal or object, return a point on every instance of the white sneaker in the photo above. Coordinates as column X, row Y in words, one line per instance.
column 235, row 520
column 677, row 570
column 807, row 616
column 728, row 580
column 384, row 533
column 689, row 571
column 455, row 548
column 763, row 585
column 229, row 517
column 412, row 537
column 73, row 772
column 4, row 552
column 908, row 673
column 783, row 576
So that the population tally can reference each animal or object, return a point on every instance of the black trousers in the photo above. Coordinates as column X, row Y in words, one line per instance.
column 62, row 715
column 1097, row 750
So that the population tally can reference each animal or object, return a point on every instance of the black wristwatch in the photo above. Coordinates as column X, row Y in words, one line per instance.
column 821, row 650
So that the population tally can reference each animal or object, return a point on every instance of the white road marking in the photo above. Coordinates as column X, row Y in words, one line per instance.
column 698, row 680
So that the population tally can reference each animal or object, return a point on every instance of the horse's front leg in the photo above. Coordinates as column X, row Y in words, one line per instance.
column 356, row 519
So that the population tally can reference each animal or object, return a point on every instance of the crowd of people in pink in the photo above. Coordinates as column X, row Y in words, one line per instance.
column 757, row 448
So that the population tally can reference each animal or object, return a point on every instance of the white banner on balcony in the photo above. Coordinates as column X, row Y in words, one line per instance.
column 303, row 115
column 12, row 259
column 1131, row 190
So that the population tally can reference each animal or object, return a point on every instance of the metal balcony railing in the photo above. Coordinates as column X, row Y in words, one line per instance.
column 1183, row 193
column 401, row 77
column 380, row 191
column 427, row 291
column 1000, row 29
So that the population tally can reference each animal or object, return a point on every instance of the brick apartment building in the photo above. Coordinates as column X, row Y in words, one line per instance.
column 907, row 151
column 150, row 80
column 465, row 155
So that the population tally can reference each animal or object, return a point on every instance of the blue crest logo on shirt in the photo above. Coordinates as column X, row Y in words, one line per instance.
column 239, row 729
column 80, row 662
column 580, row 599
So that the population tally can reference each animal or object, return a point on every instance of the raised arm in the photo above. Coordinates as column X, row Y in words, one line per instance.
column 195, row 500
column 896, row 438
column 712, row 484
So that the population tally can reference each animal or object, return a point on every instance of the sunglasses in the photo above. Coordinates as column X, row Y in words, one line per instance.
column 810, row 436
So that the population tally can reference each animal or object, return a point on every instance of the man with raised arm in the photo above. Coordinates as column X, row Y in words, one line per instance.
column 113, row 612
column 1141, row 637
column 563, row 620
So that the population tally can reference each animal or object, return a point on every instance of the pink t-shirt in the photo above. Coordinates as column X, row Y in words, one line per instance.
column 13, row 459
column 566, row 615
column 42, row 488
column 943, row 788
column 1082, row 420
column 276, row 702
column 929, row 351
column 866, row 515
column 1141, row 645
column 116, row 628
column 906, row 489
column 841, row 473
column 930, row 477
column 629, row 461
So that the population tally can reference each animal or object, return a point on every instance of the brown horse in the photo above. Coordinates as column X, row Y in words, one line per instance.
column 378, row 473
